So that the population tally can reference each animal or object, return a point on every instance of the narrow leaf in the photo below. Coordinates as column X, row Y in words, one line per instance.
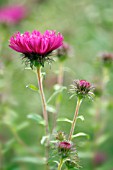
column 102, row 139
column 58, row 89
column 37, row 118
column 80, row 135
column 22, row 126
column 81, row 117
column 43, row 140
column 64, row 120
column 33, row 160
column 32, row 87
column 51, row 109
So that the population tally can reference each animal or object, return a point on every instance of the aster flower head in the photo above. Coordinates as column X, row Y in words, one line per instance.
column 35, row 46
column 67, row 151
column 64, row 148
column 12, row 14
column 63, row 52
column 82, row 88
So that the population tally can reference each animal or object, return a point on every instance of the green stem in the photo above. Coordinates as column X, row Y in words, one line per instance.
column 60, row 75
column 75, row 118
column 60, row 164
column 45, row 115
column 60, row 82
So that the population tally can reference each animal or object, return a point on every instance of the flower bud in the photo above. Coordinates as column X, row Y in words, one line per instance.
column 60, row 136
column 63, row 51
column 82, row 88
column 64, row 148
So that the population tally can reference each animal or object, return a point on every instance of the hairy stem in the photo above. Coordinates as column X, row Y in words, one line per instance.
column 45, row 115
column 75, row 118
column 60, row 164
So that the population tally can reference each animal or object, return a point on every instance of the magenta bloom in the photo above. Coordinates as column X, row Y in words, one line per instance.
column 36, row 46
column 65, row 145
column 64, row 148
column 84, row 84
column 82, row 88
column 12, row 14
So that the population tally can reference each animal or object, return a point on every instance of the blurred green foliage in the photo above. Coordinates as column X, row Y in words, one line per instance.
column 88, row 26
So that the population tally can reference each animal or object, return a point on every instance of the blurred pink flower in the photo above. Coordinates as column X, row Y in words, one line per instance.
column 63, row 52
column 36, row 46
column 12, row 14
column 99, row 158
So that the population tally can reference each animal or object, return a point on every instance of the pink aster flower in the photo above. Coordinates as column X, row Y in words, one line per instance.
column 12, row 14
column 84, row 84
column 82, row 88
column 36, row 46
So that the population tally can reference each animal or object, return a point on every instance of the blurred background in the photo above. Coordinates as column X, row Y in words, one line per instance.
column 87, row 26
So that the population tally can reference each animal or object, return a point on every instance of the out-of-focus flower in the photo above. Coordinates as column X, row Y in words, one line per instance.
column 82, row 88
column 12, row 14
column 63, row 52
column 99, row 158
column 36, row 46
column 107, row 58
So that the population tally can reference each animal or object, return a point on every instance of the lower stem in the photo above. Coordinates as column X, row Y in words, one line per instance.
column 60, row 164
column 75, row 118
column 60, row 83
column 60, row 75
column 45, row 115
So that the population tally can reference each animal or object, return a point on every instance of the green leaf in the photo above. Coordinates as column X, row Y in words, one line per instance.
column 64, row 120
column 22, row 126
column 32, row 87
column 37, row 118
column 43, row 140
column 56, row 162
column 8, row 145
column 81, row 117
column 34, row 160
column 58, row 89
column 80, row 134
column 102, row 139
column 51, row 109
column 10, row 117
